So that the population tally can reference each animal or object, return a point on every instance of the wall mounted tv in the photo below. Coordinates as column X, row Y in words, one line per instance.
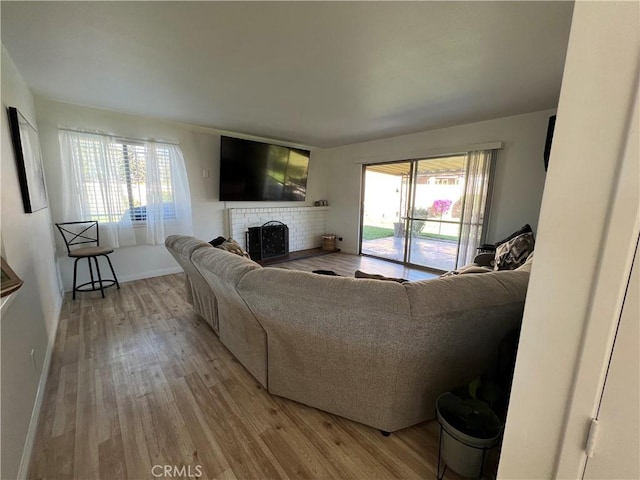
column 256, row 171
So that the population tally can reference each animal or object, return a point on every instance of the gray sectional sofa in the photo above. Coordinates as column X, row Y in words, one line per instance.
column 373, row 351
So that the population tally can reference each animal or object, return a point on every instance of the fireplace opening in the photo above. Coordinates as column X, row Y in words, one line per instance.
column 271, row 240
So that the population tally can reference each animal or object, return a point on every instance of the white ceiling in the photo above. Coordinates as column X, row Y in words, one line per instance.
column 317, row 73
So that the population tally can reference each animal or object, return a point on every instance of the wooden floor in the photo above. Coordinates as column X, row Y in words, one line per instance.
column 138, row 380
column 346, row 264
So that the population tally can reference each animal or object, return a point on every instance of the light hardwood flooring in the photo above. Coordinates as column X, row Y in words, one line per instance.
column 137, row 380
column 346, row 264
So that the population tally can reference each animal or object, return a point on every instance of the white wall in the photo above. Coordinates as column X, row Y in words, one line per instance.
column 589, row 223
column 29, row 320
column 201, row 149
column 519, row 178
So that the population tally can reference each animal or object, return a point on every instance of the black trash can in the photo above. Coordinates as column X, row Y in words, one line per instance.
column 467, row 430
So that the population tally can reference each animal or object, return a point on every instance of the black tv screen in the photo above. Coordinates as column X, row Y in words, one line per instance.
column 256, row 171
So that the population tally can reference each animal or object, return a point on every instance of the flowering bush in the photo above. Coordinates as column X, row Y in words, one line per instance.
column 440, row 207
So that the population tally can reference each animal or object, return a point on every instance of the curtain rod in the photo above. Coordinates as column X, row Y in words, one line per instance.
column 119, row 137
column 427, row 153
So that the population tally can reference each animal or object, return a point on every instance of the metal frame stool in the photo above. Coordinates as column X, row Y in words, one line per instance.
column 77, row 233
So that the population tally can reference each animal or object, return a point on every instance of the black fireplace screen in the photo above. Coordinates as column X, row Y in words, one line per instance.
column 271, row 240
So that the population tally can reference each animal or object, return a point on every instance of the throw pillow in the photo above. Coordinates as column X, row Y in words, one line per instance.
column 513, row 253
column 374, row 276
column 524, row 229
column 217, row 241
column 230, row 245
column 527, row 265
column 468, row 269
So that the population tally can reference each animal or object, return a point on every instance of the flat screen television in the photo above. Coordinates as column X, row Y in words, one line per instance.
column 256, row 171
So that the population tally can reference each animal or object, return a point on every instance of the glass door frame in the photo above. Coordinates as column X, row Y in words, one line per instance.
column 403, row 218
column 407, row 217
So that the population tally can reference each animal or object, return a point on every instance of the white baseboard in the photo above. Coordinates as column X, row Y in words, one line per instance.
column 37, row 405
column 149, row 274
column 146, row 274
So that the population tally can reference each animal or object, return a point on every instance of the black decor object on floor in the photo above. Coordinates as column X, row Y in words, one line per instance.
column 326, row 272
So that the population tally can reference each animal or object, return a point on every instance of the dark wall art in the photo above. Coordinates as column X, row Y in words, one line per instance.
column 28, row 161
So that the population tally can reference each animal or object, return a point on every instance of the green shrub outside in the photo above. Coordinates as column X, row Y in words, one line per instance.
column 370, row 232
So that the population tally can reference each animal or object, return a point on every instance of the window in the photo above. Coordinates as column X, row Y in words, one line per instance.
column 124, row 183
column 135, row 178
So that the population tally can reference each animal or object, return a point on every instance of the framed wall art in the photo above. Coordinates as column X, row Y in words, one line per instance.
column 26, row 145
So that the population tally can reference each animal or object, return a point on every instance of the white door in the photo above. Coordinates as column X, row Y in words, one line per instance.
column 617, row 447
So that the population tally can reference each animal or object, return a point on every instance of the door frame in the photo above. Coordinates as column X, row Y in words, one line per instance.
column 363, row 182
column 584, row 249
column 411, row 201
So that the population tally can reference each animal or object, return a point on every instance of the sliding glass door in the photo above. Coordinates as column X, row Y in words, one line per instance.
column 385, row 202
column 436, row 212
column 412, row 210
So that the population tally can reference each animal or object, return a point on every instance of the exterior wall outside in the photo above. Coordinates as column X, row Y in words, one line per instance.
column 30, row 317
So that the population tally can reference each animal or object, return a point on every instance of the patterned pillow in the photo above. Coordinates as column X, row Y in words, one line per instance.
column 524, row 229
column 514, row 252
column 230, row 245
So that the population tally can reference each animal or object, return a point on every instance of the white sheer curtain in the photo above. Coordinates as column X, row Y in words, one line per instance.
column 475, row 204
column 123, row 185
column 166, row 172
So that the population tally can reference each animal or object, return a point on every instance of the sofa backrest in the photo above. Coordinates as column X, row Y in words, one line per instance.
column 238, row 330
column 344, row 344
column 458, row 321
column 332, row 340
column 199, row 294
column 182, row 247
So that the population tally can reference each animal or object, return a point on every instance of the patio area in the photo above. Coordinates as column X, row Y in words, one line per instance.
column 427, row 252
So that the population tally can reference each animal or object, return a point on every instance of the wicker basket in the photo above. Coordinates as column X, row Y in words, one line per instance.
column 329, row 241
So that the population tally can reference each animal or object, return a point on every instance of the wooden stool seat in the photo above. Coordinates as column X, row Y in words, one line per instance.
column 90, row 251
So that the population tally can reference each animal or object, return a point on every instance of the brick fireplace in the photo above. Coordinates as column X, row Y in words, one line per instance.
column 306, row 224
